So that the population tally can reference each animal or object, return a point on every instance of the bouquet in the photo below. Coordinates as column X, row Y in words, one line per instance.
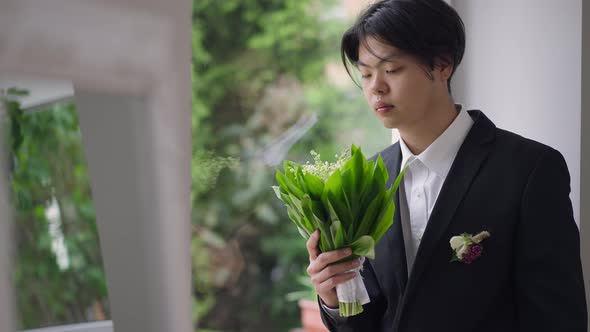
column 348, row 202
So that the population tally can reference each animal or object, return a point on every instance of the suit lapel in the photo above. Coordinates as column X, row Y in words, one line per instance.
column 468, row 161
column 390, row 252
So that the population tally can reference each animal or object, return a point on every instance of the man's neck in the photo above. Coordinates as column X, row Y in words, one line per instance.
column 419, row 137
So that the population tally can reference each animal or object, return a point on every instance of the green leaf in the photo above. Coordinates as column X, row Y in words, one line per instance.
column 349, row 216
column 357, row 161
column 370, row 186
column 332, row 215
column 295, row 213
column 338, row 236
column 281, row 180
column 334, row 185
column 381, row 175
column 342, row 211
column 290, row 169
column 303, row 232
column 289, row 166
column 365, row 177
column 315, row 185
column 286, row 198
column 289, row 185
column 399, row 178
column 297, row 219
column 371, row 191
column 370, row 217
column 385, row 219
column 297, row 207
column 277, row 191
column 369, row 171
column 295, row 203
column 319, row 210
column 364, row 246
column 326, row 243
column 301, row 180
column 333, row 195
column 294, row 216
column 349, row 191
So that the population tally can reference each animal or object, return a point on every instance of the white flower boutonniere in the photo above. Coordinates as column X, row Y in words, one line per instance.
column 467, row 248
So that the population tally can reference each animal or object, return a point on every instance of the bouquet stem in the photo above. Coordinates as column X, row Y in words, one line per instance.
column 352, row 295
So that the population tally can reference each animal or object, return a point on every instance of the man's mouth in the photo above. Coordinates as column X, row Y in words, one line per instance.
column 383, row 107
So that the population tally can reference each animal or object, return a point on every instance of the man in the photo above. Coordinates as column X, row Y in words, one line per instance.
column 484, row 237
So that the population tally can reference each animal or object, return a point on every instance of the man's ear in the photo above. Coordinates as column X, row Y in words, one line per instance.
column 443, row 68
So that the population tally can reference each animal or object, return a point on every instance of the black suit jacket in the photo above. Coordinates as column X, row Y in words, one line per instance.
column 529, row 276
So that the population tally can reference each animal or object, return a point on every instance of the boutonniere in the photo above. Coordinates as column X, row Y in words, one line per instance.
column 466, row 248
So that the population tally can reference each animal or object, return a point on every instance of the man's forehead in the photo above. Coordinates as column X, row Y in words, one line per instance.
column 371, row 59
column 373, row 52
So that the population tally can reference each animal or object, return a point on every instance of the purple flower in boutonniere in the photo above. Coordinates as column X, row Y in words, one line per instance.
column 466, row 247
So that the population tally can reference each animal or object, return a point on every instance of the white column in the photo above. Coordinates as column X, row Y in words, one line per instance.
column 138, row 159
column 6, row 285
column 585, row 150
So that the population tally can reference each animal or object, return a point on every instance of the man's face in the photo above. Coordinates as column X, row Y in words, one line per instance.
column 396, row 85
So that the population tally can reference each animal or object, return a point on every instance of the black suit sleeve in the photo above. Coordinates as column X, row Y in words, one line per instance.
column 548, row 277
column 372, row 316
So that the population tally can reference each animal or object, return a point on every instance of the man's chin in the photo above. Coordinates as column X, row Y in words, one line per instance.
column 390, row 124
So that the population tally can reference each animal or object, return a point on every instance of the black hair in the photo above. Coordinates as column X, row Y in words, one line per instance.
column 429, row 30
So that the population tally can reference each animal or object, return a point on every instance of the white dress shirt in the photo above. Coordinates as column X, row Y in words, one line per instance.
column 424, row 178
column 422, row 182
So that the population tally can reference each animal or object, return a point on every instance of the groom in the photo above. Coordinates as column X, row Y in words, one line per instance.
column 514, row 263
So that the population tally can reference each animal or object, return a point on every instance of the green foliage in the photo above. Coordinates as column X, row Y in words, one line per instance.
column 15, row 114
column 48, row 168
column 308, row 291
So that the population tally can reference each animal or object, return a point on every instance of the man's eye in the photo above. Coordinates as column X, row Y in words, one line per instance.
column 365, row 76
column 392, row 71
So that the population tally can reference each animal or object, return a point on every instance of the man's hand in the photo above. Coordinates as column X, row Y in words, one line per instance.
column 325, row 276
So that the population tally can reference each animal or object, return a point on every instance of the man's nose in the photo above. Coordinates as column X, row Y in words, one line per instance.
column 378, row 85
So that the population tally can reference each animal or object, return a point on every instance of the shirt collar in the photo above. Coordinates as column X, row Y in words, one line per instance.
column 439, row 155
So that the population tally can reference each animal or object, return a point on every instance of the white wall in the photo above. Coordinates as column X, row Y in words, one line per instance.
column 42, row 92
column 585, row 162
column 106, row 326
column 522, row 68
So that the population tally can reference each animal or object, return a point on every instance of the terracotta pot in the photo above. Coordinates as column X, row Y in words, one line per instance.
column 310, row 316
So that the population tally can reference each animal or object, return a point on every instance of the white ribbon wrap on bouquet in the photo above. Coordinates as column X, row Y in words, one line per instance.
column 353, row 290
